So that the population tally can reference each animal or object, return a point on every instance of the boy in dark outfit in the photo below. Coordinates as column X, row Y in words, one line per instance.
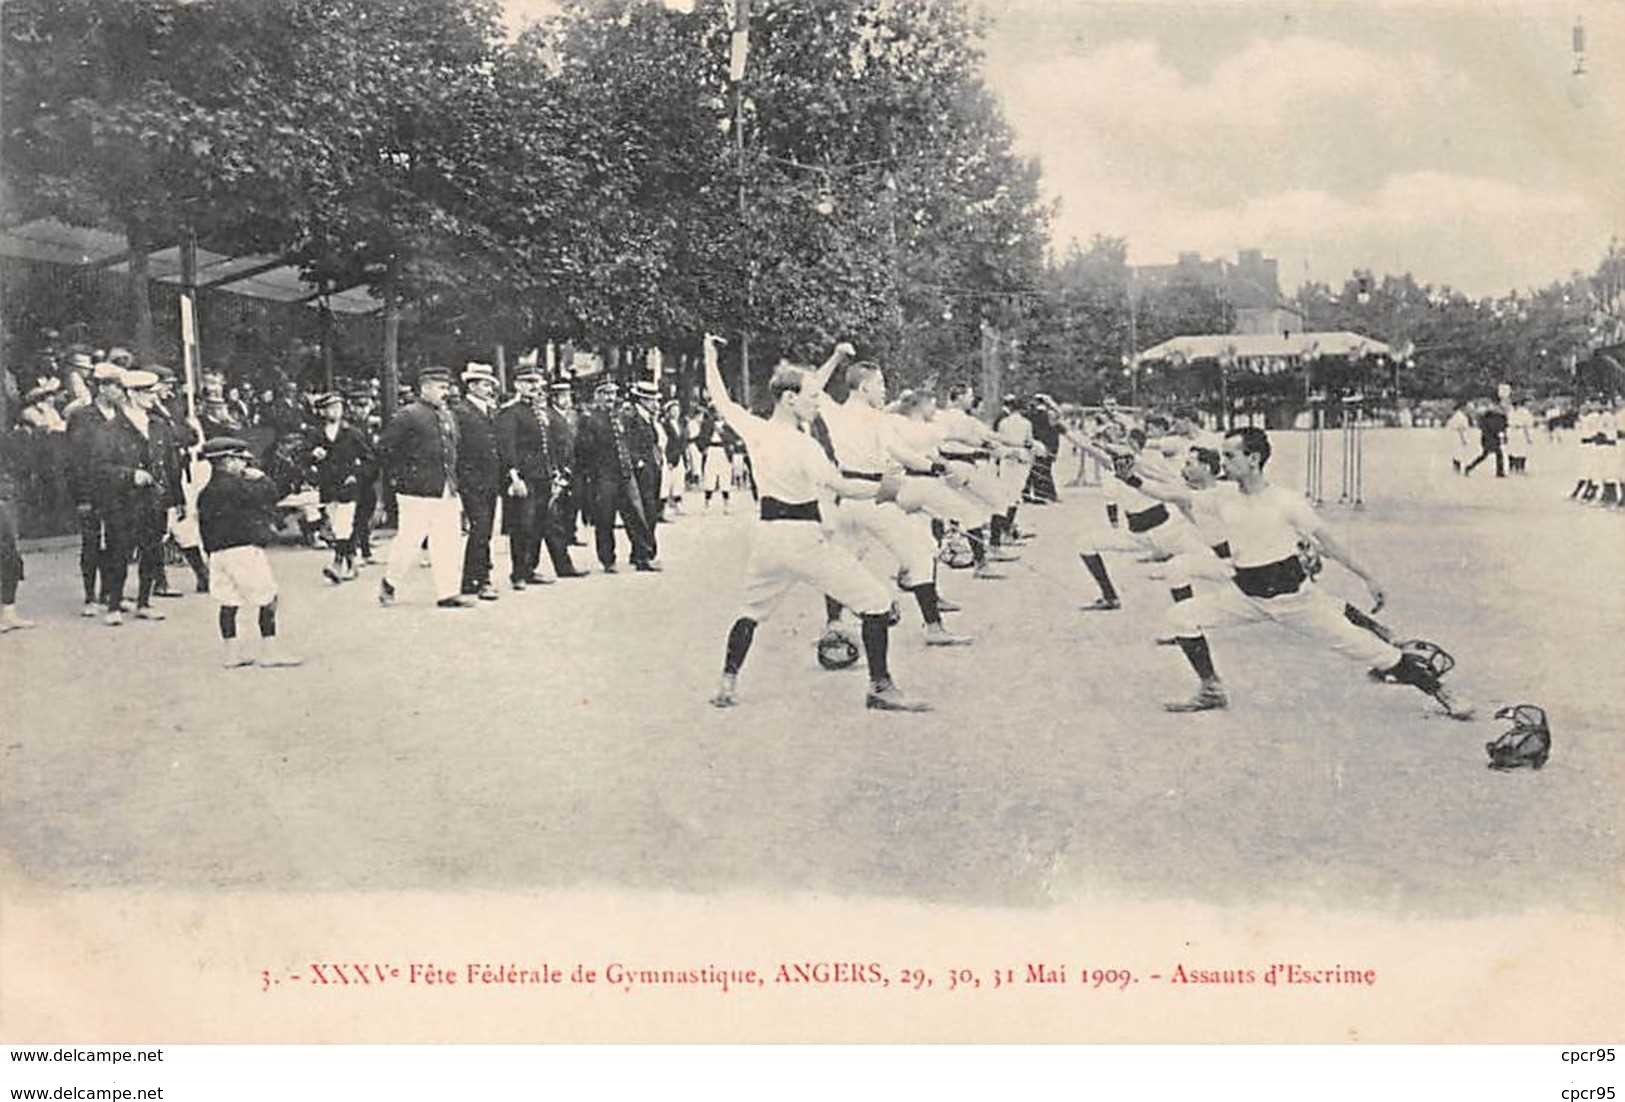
column 235, row 512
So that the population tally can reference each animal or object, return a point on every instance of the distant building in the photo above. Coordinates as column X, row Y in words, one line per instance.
column 1251, row 286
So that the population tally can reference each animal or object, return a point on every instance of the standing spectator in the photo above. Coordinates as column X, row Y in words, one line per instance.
column 676, row 454
column 479, row 474
column 522, row 444
column 642, row 420
column 342, row 458
column 181, row 521
column 605, row 449
column 1520, row 438
column 419, row 450
column 561, row 428
column 360, row 414
column 85, row 425
column 11, row 559
column 138, row 476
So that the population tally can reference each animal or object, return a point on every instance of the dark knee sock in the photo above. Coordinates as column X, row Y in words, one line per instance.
column 876, row 636
column 194, row 559
column 228, row 621
column 926, row 595
column 1111, row 514
column 268, row 621
column 978, row 545
column 1097, row 571
column 1200, row 658
column 832, row 608
column 739, row 639
column 937, row 529
column 1181, row 593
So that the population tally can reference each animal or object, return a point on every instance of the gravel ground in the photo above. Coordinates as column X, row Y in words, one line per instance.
column 560, row 738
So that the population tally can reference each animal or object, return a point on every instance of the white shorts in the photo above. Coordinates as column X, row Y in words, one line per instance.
column 1174, row 536
column 240, row 577
column 979, row 483
column 784, row 552
column 718, row 474
column 1310, row 612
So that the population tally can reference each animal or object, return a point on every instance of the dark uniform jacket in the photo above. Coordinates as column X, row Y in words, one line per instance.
column 524, row 445
column 347, row 464
column 419, row 448
column 233, row 511
column 120, row 451
column 596, row 453
column 562, row 434
column 642, row 439
column 479, row 461
column 84, row 425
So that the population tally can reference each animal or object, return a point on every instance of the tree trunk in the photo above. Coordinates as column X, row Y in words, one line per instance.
column 140, row 297
column 392, row 337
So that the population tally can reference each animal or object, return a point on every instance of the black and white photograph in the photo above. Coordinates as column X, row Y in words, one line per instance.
column 812, row 520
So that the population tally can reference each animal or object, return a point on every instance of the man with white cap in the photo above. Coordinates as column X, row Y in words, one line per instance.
column 85, row 424
column 648, row 461
column 419, row 449
column 137, row 470
column 479, row 474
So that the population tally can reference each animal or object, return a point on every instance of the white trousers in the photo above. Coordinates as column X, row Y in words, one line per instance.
column 440, row 519
column 1310, row 612
column 784, row 552
column 936, row 497
column 902, row 541
column 341, row 515
column 718, row 473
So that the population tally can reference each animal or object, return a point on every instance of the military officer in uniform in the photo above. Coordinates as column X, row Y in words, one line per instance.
column 605, row 451
column 479, row 474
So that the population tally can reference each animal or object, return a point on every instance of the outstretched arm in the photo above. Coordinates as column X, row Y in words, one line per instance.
column 1334, row 549
column 730, row 411
column 843, row 352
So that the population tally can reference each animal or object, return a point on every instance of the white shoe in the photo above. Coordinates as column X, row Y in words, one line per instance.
column 114, row 618
column 90, row 610
column 11, row 621
column 272, row 656
column 149, row 614
column 234, row 656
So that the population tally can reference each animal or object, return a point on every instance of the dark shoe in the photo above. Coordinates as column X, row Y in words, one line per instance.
column 454, row 602
column 572, row 573
column 167, row 592
column 1209, row 698
column 609, row 569
column 646, row 567
column 537, row 579
column 331, row 574
column 386, row 593
column 1102, row 605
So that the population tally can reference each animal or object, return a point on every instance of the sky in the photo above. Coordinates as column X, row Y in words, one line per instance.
column 1450, row 140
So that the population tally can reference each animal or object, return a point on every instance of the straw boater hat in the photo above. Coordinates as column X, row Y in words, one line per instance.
column 105, row 372
column 473, row 372
column 139, row 380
